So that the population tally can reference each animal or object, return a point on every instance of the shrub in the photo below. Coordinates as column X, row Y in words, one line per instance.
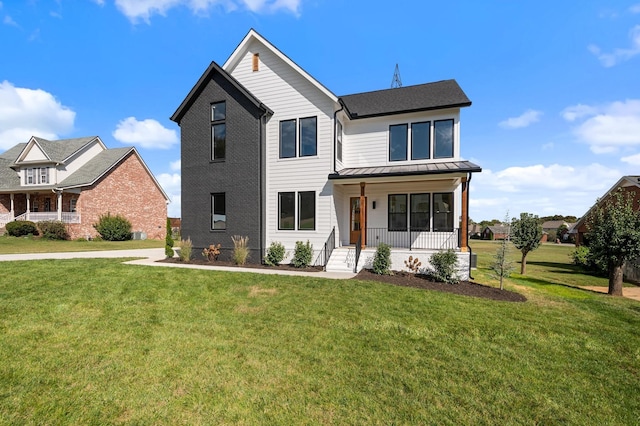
column 186, row 247
column 113, row 228
column 580, row 257
column 382, row 260
column 444, row 267
column 240, row 249
column 168, row 241
column 53, row 230
column 212, row 252
column 275, row 254
column 302, row 254
column 20, row 228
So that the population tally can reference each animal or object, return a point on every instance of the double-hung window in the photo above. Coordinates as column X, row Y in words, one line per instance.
column 218, row 130
column 31, row 176
column 44, row 175
column 218, row 211
column 302, row 142
column 306, row 211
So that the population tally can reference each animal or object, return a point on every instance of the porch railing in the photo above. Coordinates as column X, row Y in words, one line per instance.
column 4, row 219
column 67, row 217
column 414, row 239
column 325, row 253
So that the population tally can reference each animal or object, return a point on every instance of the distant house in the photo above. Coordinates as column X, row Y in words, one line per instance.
column 551, row 226
column 78, row 180
column 496, row 232
column 475, row 230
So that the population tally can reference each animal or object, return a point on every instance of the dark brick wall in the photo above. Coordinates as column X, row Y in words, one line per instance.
column 238, row 176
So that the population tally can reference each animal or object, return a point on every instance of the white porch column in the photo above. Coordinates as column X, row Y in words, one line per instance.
column 28, row 205
column 59, row 205
column 12, row 211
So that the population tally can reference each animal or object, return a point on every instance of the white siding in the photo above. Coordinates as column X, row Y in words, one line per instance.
column 78, row 160
column 34, row 154
column 291, row 96
column 366, row 141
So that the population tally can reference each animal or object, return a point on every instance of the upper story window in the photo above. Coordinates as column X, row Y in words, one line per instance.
column 37, row 176
column 302, row 144
column 443, row 135
column 339, row 141
column 419, row 135
column 218, row 130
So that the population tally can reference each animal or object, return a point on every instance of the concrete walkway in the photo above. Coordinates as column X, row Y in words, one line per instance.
column 628, row 292
column 149, row 257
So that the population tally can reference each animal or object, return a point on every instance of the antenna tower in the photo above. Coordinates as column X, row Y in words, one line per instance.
column 397, row 81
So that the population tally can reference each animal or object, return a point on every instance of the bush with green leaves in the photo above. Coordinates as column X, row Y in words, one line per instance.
column 20, row 228
column 168, row 241
column 580, row 256
column 382, row 260
column 240, row 249
column 275, row 254
column 444, row 265
column 53, row 230
column 113, row 228
column 302, row 254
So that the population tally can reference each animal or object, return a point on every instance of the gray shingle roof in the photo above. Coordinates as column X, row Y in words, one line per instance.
column 95, row 167
column 422, row 97
column 408, row 170
column 62, row 149
column 8, row 177
column 12, row 153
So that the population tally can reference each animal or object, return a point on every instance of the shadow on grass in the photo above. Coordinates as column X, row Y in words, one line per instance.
column 545, row 283
column 562, row 267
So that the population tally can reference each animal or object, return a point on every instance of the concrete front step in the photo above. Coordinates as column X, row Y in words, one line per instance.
column 342, row 260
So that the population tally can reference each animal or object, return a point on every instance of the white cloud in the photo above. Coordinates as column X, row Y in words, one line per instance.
column 171, row 183
column 8, row 20
column 147, row 133
column 28, row 112
column 606, row 128
column 618, row 55
column 529, row 117
column 635, row 8
column 137, row 10
column 175, row 165
column 539, row 189
column 634, row 160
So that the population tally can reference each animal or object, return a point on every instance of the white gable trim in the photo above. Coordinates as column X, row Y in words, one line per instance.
column 28, row 147
column 242, row 48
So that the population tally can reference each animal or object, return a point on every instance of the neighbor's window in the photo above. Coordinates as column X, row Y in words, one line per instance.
column 443, row 212
column 339, row 141
column 397, row 213
column 398, row 142
column 286, row 210
column 30, row 176
column 307, row 210
column 420, row 212
column 443, row 132
column 72, row 205
column 288, row 138
column 44, row 175
column 420, row 140
column 218, row 130
column 218, row 212
column 308, row 136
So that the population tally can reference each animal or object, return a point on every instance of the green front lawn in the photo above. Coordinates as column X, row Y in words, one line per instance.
column 11, row 245
column 151, row 345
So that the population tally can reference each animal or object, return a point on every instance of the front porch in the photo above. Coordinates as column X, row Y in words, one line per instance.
column 30, row 206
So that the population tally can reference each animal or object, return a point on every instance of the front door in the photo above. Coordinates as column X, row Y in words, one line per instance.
column 47, row 204
column 354, row 223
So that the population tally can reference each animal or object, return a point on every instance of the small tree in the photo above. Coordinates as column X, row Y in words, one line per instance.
column 168, row 241
column 526, row 233
column 614, row 236
column 502, row 266
column 382, row 260
column 302, row 254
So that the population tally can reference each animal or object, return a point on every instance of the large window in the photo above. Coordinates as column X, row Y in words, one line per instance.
column 420, row 138
column 443, row 212
column 339, row 141
column 420, row 212
column 443, row 135
column 306, row 202
column 398, row 142
column 218, row 212
column 218, row 130
column 286, row 210
column 397, row 212
column 287, row 138
column 307, row 210
column 308, row 136
column 37, row 175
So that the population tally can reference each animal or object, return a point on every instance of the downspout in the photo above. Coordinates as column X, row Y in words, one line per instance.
column 335, row 138
column 262, row 182
column 468, row 246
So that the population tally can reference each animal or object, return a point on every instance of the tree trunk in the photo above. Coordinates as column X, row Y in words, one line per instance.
column 523, row 264
column 615, row 280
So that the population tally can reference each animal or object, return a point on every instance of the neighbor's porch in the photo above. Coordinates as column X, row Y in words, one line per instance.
column 38, row 207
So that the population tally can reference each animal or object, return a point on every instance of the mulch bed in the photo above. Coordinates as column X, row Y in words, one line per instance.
column 403, row 279
column 464, row 288
column 228, row 264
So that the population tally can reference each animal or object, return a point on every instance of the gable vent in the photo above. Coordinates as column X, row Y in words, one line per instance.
column 256, row 61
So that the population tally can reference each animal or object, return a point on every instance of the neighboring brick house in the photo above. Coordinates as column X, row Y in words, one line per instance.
column 270, row 153
column 78, row 180
column 495, row 232
column 551, row 227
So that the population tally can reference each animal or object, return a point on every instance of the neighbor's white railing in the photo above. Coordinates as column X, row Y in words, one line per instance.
column 67, row 217
column 4, row 219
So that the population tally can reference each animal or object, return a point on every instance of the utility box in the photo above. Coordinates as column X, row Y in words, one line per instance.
column 139, row 236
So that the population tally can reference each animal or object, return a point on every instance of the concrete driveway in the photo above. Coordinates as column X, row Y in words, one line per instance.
column 628, row 292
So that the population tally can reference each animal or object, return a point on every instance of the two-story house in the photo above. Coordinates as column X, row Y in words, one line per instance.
column 78, row 180
column 270, row 153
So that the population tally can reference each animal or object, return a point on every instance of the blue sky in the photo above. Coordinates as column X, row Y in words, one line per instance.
column 555, row 86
